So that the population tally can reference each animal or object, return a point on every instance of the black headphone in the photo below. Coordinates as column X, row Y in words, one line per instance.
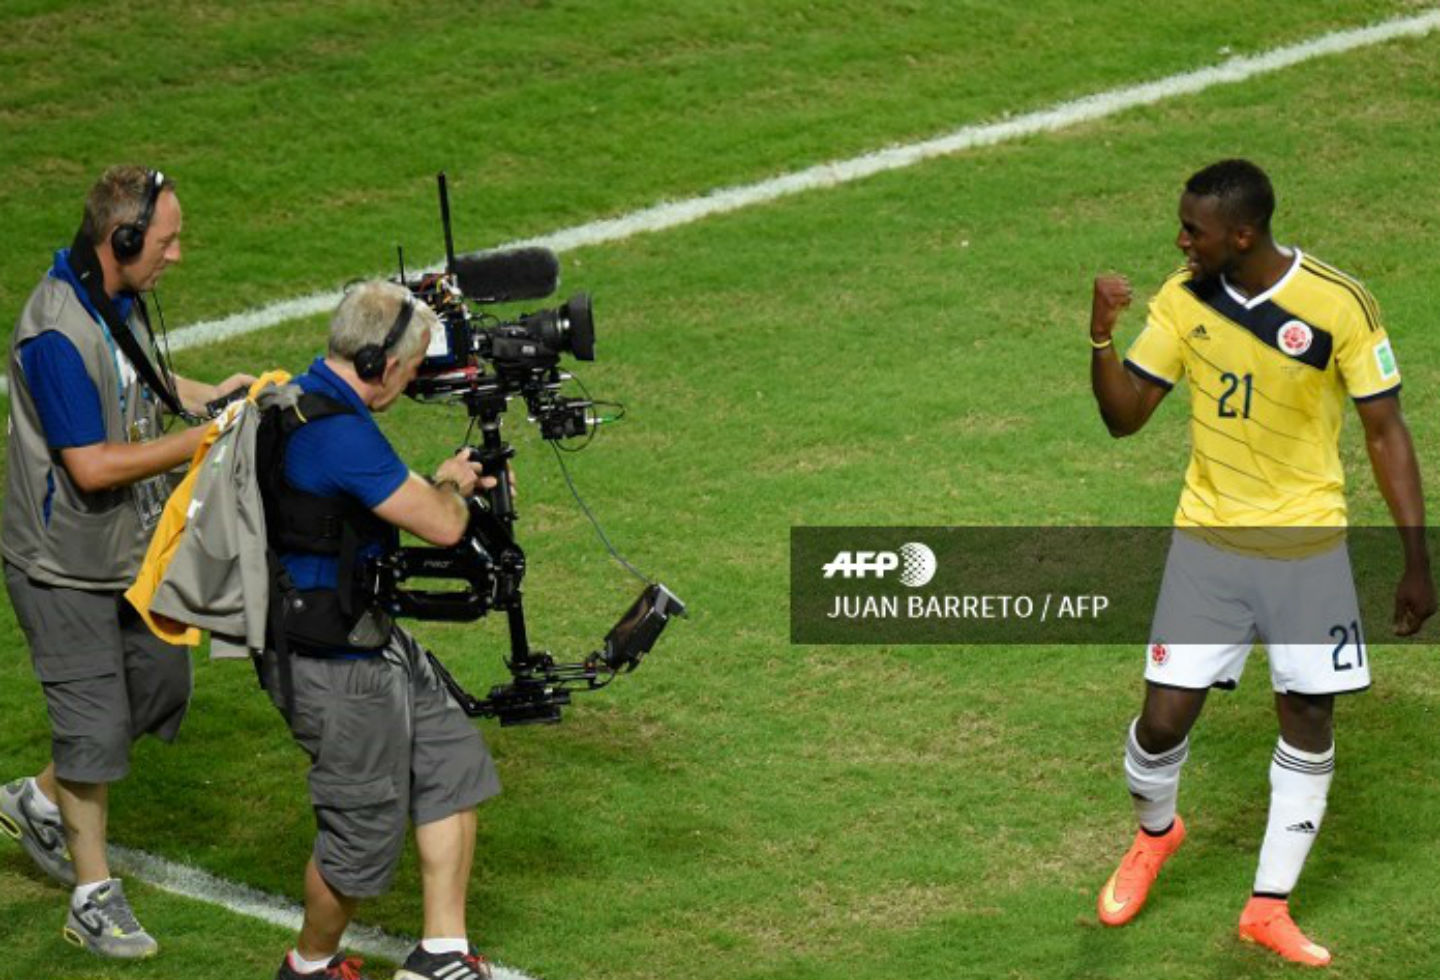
column 369, row 360
column 128, row 240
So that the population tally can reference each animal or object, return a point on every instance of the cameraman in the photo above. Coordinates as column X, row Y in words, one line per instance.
column 385, row 740
column 86, row 465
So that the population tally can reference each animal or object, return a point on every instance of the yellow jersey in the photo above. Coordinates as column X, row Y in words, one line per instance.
column 1268, row 379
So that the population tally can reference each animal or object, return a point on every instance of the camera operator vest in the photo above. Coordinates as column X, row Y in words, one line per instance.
column 315, row 622
column 55, row 532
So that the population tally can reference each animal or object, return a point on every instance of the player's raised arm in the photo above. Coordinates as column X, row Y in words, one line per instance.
column 1126, row 401
column 1392, row 457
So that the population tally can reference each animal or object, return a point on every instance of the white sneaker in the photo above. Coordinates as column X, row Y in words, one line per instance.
column 105, row 924
column 43, row 838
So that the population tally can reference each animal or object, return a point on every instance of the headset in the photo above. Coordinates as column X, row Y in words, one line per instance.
column 369, row 360
column 127, row 241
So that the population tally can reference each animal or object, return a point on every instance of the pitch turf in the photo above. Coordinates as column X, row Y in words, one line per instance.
column 906, row 350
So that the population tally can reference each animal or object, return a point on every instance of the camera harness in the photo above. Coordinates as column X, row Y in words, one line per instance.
column 314, row 621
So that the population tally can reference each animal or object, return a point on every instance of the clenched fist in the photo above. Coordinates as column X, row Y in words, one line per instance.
column 1112, row 294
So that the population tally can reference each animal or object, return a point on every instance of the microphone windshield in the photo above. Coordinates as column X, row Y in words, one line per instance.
column 514, row 274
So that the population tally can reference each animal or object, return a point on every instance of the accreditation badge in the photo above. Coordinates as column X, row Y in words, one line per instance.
column 149, row 494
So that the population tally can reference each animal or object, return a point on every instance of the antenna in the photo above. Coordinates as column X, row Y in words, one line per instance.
column 445, row 222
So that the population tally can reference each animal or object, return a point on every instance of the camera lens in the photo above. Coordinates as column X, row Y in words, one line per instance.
column 581, row 326
column 568, row 329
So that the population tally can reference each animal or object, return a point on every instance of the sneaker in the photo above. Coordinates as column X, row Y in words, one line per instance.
column 105, row 924
column 1267, row 922
column 43, row 838
column 420, row 965
column 1124, row 894
column 340, row 967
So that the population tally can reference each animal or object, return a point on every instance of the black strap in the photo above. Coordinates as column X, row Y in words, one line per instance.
column 86, row 265
column 308, row 622
column 349, row 547
column 300, row 521
column 281, row 591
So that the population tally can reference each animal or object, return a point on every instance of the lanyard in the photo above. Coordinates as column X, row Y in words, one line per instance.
column 115, row 360
column 86, row 265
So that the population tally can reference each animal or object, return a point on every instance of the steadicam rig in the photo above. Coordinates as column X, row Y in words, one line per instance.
column 481, row 361
column 491, row 566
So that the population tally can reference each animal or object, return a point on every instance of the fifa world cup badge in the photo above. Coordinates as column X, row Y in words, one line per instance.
column 150, row 495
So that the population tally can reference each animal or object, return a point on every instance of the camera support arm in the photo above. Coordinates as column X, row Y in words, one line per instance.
column 492, row 566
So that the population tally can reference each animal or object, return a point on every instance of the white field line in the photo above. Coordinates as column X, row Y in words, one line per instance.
column 193, row 883
column 671, row 214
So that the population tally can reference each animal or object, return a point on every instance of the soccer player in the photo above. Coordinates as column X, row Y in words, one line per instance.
column 1270, row 340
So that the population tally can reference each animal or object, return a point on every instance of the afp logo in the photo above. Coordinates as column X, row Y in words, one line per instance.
column 914, row 561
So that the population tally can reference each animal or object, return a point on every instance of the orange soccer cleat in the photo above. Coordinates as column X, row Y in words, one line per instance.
column 1267, row 922
column 1124, row 894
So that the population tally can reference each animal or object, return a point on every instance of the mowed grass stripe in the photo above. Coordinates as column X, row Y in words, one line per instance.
column 673, row 214
column 280, row 119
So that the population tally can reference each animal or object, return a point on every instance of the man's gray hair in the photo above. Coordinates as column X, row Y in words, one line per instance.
column 366, row 315
column 117, row 198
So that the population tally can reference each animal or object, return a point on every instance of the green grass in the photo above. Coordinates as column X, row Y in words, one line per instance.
column 305, row 136
column 209, row 941
column 907, row 350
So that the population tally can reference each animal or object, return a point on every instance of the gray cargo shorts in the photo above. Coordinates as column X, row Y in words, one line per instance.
column 107, row 679
column 386, row 743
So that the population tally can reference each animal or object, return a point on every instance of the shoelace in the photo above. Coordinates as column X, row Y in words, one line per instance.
column 1149, row 859
column 30, row 810
column 1286, row 926
column 111, row 906
column 49, row 832
column 346, row 969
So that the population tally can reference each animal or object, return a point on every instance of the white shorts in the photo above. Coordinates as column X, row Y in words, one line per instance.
column 1215, row 604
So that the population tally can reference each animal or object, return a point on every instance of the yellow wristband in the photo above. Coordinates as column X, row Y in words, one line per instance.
column 1107, row 342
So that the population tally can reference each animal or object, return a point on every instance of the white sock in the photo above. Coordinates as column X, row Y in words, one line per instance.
column 44, row 806
column 1154, row 781
column 300, row 964
column 83, row 892
column 445, row 945
column 1299, row 784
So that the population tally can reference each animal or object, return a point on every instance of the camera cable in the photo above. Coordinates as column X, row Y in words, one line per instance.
column 565, row 472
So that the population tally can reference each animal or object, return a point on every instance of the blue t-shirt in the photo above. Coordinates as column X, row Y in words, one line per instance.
column 64, row 394
column 339, row 456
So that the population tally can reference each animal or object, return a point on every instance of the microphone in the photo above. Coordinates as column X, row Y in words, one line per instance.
column 514, row 274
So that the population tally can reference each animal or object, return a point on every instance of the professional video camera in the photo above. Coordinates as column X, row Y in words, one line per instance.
column 480, row 361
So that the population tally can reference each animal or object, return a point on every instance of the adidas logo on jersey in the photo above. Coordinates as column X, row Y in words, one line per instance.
column 1199, row 333
column 1304, row 827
